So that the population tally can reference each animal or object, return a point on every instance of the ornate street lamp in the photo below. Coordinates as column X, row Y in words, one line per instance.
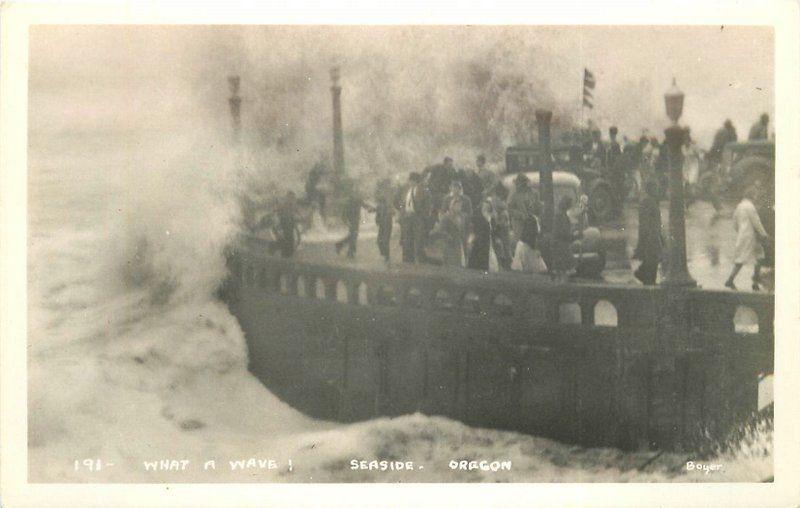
column 677, row 271
column 673, row 100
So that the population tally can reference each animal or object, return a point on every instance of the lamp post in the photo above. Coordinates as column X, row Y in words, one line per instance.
column 235, row 103
column 674, row 334
column 338, row 138
column 543, row 119
column 677, row 271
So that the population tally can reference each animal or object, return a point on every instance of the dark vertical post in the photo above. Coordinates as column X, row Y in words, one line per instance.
column 677, row 273
column 338, row 140
column 543, row 119
column 674, row 330
column 235, row 103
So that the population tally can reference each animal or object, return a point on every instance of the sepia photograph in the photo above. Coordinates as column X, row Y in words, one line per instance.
column 444, row 253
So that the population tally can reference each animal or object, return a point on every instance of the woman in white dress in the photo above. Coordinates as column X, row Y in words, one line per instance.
column 748, row 248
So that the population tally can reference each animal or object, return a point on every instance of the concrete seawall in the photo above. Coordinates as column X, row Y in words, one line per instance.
column 599, row 365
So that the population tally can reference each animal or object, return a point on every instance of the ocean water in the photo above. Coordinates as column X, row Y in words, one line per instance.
column 133, row 359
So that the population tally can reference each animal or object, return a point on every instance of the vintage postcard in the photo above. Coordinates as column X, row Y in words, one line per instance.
column 433, row 252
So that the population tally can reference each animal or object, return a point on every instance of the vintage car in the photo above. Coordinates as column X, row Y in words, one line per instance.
column 743, row 164
column 588, row 250
column 568, row 159
column 749, row 163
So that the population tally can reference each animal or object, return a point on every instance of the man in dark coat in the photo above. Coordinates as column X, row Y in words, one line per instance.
column 711, row 187
column 662, row 170
column 472, row 187
column 439, row 177
column 560, row 257
column 479, row 255
column 651, row 242
column 415, row 211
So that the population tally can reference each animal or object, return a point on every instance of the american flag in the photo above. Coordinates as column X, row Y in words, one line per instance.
column 588, row 84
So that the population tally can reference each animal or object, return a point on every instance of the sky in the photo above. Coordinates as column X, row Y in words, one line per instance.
column 403, row 81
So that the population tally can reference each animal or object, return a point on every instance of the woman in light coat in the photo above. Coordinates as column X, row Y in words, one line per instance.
column 748, row 248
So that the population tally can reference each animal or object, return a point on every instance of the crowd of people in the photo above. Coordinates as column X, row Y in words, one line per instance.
column 472, row 220
column 467, row 216
column 475, row 220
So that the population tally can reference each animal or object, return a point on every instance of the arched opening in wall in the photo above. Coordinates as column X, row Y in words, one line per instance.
column 319, row 289
column 605, row 314
column 442, row 300
column 301, row 286
column 471, row 302
column 362, row 294
column 537, row 309
column 414, row 297
column 285, row 283
column 503, row 305
column 341, row 292
column 569, row 313
column 386, row 296
column 745, row 320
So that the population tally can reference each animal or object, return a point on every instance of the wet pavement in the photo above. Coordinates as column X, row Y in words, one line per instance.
column 710, row 240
